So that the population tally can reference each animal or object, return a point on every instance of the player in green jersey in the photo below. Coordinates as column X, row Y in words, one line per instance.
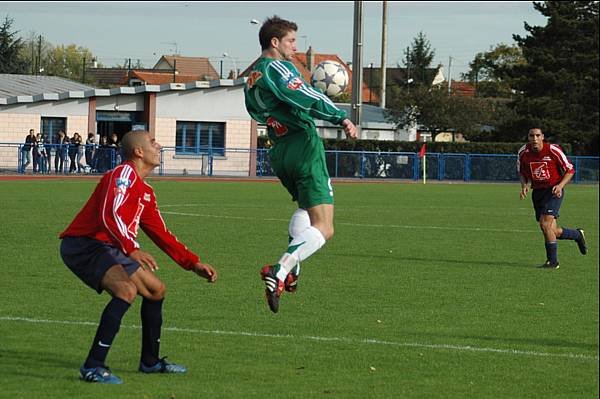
column 276, row 95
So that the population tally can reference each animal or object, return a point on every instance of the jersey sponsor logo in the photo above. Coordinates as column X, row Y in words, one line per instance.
column 279, row 128
column 294, row 83
column 122, row 185
column 539, row 171
column 253, row 78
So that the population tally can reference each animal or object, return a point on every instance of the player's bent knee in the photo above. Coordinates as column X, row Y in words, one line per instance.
column 127, row 291
column 157, row 293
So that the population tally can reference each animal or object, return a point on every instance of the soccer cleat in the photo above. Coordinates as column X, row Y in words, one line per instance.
column 581, row 243
column 291, row 282
column 162, row 366
column 273, row 286
column 549, row 265
column 102, row 375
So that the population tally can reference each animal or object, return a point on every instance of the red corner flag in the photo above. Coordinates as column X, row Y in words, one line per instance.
column 422, row 152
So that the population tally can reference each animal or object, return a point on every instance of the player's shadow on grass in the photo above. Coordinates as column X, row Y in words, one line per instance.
column 557, row 343
column 30, row 360
column 430, row 261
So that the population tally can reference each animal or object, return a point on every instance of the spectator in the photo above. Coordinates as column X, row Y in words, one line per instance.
column 74, row 144
column 90, row 149
column 26, row 150
column 49, row 149
column 116, row 145
column 39, row 155
column 62, row 142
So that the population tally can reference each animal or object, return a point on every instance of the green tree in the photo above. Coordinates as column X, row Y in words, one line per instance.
column 418, row 59
column 68, row 61
column 11, row 59
column 490, row 71
column 558, row 85
column 438, row 111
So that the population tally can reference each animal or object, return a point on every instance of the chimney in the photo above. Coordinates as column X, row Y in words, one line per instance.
column 310, row 59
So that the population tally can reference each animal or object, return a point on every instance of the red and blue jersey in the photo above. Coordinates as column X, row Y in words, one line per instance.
column 545, row 168
column 122, row 203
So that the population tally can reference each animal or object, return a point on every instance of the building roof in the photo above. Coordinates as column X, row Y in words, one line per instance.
column 301, row 63
column 69, row 90
column 26, row 85
column 199, row 66
column 157, row 77
column 105, row 77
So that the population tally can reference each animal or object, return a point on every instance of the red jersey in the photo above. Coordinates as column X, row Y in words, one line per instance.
column 121, row 203
column 543, row 169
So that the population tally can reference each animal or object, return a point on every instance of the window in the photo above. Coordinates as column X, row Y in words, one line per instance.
column 200, row 138
column 51, row 126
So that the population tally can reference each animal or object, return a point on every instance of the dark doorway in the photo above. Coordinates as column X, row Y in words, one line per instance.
column 107, row 128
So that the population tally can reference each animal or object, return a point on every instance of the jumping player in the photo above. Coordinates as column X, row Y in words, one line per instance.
column 276, row 95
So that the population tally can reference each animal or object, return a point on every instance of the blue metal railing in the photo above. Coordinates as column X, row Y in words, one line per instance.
column 341, row 164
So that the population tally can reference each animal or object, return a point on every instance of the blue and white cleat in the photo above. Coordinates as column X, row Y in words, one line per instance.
column 163, row 367
column 102, row 375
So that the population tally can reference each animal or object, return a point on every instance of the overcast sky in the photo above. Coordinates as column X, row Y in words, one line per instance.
column 115, row 31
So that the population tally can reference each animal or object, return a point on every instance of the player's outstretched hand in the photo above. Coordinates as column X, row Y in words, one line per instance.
column 205, row 270
column 144, row 259
column 350, row 128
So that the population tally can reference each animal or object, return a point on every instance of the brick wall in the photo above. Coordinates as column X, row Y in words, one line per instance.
column 14, row 127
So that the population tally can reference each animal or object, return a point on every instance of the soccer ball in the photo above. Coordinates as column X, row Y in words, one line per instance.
column 330, row 77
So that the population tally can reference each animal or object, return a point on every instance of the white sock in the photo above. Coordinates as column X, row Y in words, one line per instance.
column 302, row 246
column 298, row 223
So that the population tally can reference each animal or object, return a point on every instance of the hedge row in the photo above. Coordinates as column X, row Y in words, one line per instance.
column 412, row 146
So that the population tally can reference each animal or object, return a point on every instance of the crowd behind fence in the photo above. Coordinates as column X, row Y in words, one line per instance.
column 94, row 159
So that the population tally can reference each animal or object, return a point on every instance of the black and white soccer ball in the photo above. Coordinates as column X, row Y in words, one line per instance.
column 330, row 77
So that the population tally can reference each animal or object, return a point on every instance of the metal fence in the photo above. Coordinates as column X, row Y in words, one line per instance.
column 245, row 162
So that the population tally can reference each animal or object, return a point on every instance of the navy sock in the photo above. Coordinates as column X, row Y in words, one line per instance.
column 552, row 251
column 151, row 313
column 110, row 322
column 570, row 234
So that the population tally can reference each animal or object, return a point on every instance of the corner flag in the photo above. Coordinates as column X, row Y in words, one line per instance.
column 422, row 155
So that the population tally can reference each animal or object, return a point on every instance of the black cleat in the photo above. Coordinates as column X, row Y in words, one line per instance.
column 549, row 265
column 273, row 286
column 581, row 243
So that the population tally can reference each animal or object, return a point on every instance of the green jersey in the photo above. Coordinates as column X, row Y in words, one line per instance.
column 276, row 95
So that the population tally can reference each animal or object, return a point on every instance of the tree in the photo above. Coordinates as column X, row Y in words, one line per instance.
column 11, row 60
column 68, row 62
column 418, row 59
column 558, row 85
column 434, row 108
column 489, row 71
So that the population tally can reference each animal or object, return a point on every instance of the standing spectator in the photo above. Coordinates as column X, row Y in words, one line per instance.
column 49, row 149
column 90, row 148
column 116, row 145
column 73, row 151
column 547, row 168
column 26, row 150
column 61, row 151
column 35, row 153
column 103, row 156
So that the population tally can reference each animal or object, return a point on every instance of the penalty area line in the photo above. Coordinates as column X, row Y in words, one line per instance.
column 351, row 341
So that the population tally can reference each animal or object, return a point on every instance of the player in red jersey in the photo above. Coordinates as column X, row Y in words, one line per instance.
column 100, row 248
column 548, row 170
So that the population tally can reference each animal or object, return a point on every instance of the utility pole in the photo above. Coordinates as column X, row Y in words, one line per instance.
column 357, row 65
column 39, row 68
column 83, row 70
column 383, row 54
column 33, row 57
column 449, row 73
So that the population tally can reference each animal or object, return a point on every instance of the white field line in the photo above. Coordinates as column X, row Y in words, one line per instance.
column 349, row 341
column 391, row 226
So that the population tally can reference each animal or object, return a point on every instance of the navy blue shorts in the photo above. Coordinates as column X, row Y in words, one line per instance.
column 545, row 203
column 90, row 259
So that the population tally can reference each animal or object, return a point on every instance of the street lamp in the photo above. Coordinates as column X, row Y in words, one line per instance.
column 234, row 65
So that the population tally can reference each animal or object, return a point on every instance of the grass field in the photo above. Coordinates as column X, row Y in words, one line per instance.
column 424, row 292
